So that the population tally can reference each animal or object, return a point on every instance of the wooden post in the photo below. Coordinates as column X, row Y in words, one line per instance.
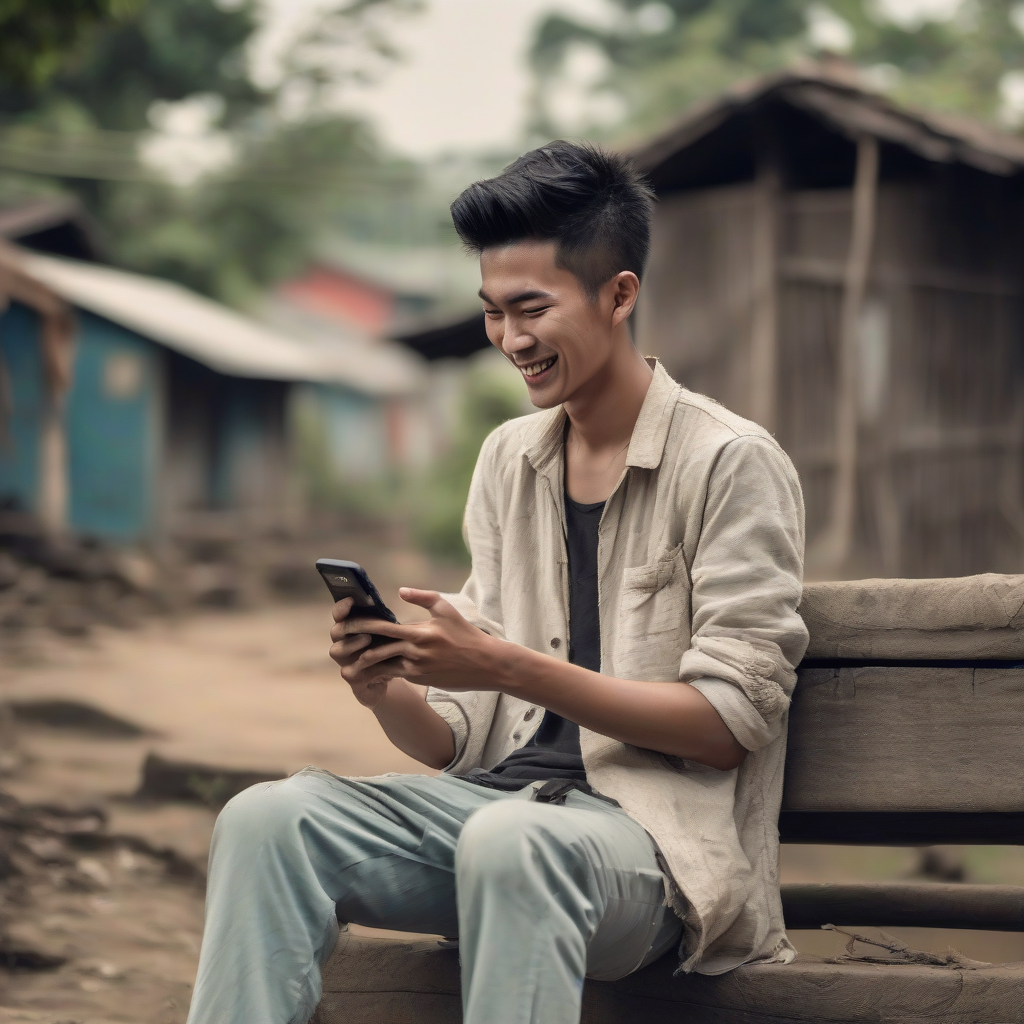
column 53, row 468
column 764, row 326
column 839, row 538
column 57, row 329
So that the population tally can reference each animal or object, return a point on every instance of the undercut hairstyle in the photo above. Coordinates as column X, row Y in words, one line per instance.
column 595, row 205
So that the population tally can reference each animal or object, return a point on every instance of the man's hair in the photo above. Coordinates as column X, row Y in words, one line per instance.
column 596, row 206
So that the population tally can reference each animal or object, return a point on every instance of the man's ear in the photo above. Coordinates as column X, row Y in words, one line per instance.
column 624, row 288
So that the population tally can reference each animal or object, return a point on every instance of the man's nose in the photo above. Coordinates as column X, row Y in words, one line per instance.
column 516, row 339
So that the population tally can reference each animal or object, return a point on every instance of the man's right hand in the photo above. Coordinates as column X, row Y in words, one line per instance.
column 409, row 722
column 371, row 685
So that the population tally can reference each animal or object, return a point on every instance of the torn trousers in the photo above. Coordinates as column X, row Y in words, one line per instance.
column 538, row 894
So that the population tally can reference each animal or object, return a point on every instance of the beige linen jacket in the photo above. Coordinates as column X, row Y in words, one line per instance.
column 700, row 551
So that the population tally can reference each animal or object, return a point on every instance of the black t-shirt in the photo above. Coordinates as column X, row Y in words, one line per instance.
column 554, row 750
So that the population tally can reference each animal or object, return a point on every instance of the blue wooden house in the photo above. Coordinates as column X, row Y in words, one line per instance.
column 170, row 406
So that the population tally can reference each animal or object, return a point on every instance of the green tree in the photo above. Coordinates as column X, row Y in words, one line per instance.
column 663, row 56
column 258, row 219
column 256, row 222
column 958, row 65
column 154, row 50
column 36, row 35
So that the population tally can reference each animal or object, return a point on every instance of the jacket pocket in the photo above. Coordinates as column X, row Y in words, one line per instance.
column 653, row 624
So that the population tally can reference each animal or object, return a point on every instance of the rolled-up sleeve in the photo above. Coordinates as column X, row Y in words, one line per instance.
column 747, row 577
column 741, row 718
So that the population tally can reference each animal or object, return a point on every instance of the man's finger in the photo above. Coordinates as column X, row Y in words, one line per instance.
column 379, row 627
column 429, row 599
column 341, row 609
column 345, row 649
column 375, row 655
column 356, row 675
column 339, row 632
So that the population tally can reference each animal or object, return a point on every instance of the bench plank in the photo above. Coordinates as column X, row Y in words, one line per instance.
column 397, row 981
column 895, row 738
column 902, row 828
column 904, row 904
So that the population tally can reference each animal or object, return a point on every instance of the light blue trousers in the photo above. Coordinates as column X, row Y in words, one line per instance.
column 538, row 894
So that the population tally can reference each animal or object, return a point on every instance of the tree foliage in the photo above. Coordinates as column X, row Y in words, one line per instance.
column 156, row 50
column 35, row 35
column 661, row 57
column 257, row 219
column 257, row 222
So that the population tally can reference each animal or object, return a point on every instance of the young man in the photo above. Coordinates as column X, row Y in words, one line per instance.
column 607, row 695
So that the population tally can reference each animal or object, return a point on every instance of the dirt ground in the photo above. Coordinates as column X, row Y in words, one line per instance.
column 252, row 689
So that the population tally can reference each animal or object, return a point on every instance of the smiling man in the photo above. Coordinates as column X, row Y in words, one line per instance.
column 606, row 697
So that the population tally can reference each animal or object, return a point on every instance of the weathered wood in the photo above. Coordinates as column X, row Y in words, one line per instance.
column 56, row 349
column 904, row 904
column 821, row 270
column 416, row 981
column 53, row 468
column 696, row 305
column 833, row 549
column 764, row 315
column 906, row 739
column 973, row 618
column 902, row 828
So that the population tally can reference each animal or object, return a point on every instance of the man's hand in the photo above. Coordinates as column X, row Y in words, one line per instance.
column 406, row 717
column 445, row 650
column 370, row 687
column 449, row 652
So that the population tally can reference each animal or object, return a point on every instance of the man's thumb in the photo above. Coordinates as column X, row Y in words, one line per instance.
column 429, row 599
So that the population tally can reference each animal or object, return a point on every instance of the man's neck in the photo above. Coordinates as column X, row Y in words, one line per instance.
column 603, row 413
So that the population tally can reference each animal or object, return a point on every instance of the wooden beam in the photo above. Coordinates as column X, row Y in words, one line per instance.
column 764, row 319
column 902, row 828
column 828, row 272
column 904, row 905
column 833, row 549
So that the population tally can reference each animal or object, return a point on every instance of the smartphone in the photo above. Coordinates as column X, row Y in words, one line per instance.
column 349, row 579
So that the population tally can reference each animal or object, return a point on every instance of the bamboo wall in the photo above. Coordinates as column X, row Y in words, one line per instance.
column 939, row 357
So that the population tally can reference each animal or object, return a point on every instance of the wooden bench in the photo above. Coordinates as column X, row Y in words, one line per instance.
column 906, row 729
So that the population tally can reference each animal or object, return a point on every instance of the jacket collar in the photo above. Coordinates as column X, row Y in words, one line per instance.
column 646, row 445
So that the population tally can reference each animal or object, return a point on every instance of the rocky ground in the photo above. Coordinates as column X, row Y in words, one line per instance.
column 101, row 911
column 101, row 864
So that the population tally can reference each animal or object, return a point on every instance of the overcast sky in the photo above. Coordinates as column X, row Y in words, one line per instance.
column 464, row 82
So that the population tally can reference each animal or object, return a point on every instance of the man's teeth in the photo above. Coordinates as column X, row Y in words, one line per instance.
column 535, row 368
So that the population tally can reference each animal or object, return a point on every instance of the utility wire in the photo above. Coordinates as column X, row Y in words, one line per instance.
column 114, row 156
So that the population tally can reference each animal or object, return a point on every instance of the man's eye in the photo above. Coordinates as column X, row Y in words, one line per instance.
column 536, row 310
column 492, row 312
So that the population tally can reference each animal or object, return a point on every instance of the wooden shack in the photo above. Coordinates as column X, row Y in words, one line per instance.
column 850, row 274
column 132, row 409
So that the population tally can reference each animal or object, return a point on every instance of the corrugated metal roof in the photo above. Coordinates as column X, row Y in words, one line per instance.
column 852, row 110
column 219, row 337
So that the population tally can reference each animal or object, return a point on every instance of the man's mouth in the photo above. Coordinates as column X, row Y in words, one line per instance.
column 536, row 369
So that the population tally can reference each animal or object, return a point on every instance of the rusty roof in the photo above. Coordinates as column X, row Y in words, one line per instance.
column 851, row 109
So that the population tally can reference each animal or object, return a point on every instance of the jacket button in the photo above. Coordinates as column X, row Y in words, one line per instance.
column 529, row 714
column 555, row 642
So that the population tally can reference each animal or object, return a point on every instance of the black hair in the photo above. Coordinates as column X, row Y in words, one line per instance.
column 595, row 205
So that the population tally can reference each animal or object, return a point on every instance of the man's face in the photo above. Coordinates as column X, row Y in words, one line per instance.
column 542, row 320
